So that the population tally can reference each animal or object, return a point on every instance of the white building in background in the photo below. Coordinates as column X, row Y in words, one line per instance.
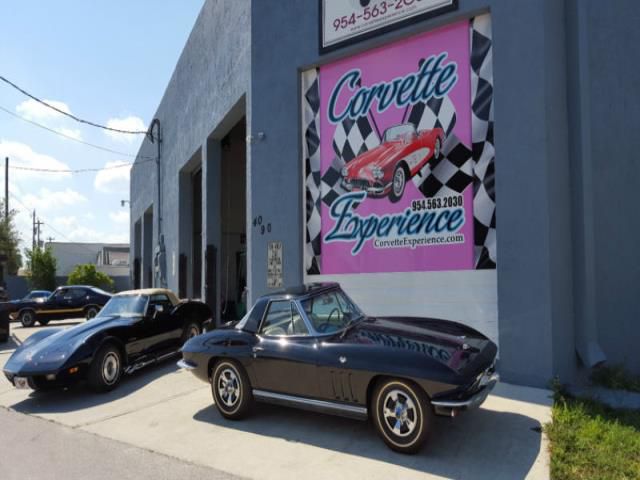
column 109, row 258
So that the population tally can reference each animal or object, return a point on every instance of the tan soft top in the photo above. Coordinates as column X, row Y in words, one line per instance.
column 151, row 291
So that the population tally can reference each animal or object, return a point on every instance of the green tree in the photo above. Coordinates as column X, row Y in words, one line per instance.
column 41, row 268
column 87, row 274
column 9, row 242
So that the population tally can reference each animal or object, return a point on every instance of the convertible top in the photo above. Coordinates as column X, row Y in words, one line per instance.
column 151, row 291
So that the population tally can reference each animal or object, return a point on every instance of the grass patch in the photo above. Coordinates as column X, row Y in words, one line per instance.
column 616, row 377
column 591, row 441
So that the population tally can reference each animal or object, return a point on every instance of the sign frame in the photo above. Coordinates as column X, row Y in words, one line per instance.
column 452, row 6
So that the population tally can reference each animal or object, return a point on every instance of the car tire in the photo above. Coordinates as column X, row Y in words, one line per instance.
column 91, row 313
column 43, row 321
column 402, row 415
column 106, row 368
column 231, row 390
column 27, row 318
column 398, row 183
column 191, row 329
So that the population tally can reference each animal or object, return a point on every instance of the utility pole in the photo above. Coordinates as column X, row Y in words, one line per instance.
column 39, row 223
column 6, row 189
column 33, row 234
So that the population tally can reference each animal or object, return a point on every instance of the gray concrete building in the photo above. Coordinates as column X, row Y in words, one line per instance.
column 279, row 117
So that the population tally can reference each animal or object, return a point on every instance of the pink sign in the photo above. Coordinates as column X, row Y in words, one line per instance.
column 395, row 157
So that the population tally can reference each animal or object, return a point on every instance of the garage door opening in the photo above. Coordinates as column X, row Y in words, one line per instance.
column 233, row 206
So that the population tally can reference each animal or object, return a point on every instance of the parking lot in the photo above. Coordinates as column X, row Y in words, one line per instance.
column 165, row 410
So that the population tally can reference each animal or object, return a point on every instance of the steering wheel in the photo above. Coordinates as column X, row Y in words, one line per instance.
column 322, row 328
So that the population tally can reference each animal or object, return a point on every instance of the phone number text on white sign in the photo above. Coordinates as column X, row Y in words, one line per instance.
column 346, row 19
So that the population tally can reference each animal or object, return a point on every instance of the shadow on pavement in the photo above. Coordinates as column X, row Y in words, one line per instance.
column 482, row 444
column 80, row 396
column 11, row 344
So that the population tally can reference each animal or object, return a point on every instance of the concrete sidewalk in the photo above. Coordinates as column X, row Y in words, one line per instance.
column 168, row 411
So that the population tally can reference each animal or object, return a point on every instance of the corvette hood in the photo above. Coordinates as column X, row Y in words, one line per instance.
column 49, row 351
column 378, row 157
column 455, row 345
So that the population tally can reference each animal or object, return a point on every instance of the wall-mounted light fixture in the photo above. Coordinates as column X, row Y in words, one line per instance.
column 254, row 138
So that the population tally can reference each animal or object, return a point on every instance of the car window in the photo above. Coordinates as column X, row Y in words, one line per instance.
column 283, row 319
column 60, row 294
column 75, row 293
column 330, row 311
column 159, row 299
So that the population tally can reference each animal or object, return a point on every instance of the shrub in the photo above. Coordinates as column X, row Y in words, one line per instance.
column 87, row 274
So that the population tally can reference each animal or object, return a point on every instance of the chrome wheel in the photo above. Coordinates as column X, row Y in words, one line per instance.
column 110, row 368
column 228, row 387
column 27, row 319
column 399, row 179
column 91, row 313
column 400, row 413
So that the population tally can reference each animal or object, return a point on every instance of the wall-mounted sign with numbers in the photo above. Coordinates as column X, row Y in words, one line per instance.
column 347, row 21
column 274, row 265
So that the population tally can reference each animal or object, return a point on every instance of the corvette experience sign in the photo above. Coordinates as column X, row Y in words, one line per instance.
column 346, row 20
column 398, row 145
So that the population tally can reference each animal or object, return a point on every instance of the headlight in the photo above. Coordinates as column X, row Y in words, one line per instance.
column 377, row 172
column 345, row 171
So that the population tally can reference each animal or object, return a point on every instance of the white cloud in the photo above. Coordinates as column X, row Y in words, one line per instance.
column 48, row 200
column 65, row 222
column 113, row 180
column 130, row 123
column 22, row 155
column 71, row 132
column 120, row 216
column 36, row 111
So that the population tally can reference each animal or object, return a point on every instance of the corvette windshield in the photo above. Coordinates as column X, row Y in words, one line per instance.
column 399, row 132
column 331, row 311
column 129, row 305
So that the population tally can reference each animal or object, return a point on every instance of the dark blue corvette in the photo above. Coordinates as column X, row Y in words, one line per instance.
column 133, row 330
column 311, row 347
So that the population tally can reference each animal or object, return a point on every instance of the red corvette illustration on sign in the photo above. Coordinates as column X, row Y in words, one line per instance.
column 386, row 169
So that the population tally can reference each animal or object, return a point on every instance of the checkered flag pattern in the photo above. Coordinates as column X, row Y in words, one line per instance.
column 354, row 137
column 450, row 174
column 311, row 152
column 484, row 199
column 435, row 113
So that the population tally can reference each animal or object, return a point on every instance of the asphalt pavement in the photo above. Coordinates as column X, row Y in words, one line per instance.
column 162, row 415
column 32, row 448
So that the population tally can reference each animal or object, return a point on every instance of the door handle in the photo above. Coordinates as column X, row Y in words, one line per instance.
column 257, row 349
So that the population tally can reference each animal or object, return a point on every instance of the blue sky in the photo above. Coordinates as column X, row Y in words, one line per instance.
column 106, row 61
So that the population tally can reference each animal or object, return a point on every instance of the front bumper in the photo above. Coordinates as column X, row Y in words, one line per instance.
column 50, row 379
column 376, row 189
column 452, row 407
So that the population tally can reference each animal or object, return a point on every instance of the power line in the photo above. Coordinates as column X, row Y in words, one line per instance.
column 69, row 137
column 70, row 115
column 79, row 170
column 29, row 210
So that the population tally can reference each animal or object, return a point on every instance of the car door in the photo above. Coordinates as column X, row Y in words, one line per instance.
column 166, row 328
column 285, row 356
column 54, row 308
column 74, row 302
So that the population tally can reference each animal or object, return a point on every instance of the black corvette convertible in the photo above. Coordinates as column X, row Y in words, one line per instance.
column 133, row 330
column 311, row 347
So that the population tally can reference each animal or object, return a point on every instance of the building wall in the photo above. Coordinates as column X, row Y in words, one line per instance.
column 613, row 116
column 563, row 75
column 211, row 77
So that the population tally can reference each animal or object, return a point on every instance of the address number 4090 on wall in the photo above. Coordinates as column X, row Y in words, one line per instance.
column 263, row 227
